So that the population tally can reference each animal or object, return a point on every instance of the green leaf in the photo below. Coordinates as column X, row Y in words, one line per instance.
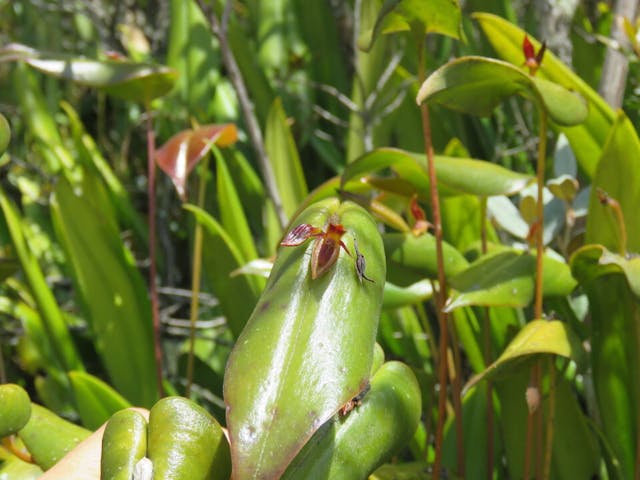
column 480, row 178
column 417, row 255
column 307, row 348
column 477, row 85
column 593, row 261
column 536, row 337
column 439, row 16
column 387, row 417
column 284, row 159
column 13, row 467
column 5, row 134
column 232, row 213
column 193, row 54
column 111, row 290
column 405, row 471
column 587, row 139
column 16, row 409
column 136, row 82
column 620, row 157
column 396, row 297
column 96, row 401
column 237, row 295
column 52, row 320
column 502, row 279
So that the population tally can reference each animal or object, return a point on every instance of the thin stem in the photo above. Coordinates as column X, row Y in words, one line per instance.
column 442, row 284
column 219, row 29
column 153, row 288
column 486, row 327
column 550, row 419
column 196, row 274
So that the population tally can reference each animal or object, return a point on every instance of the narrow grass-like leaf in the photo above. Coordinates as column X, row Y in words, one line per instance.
column 238, row 294
column 284, row 159
column 587, row 140
column 96, row 401
column 52, row 320
column 111, row 289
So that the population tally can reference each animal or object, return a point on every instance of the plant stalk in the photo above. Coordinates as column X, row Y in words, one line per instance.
column 486, row 326
column 441, row 295
column 153, row 288
column 196, row 275
column 550, row 418
column 219, row 28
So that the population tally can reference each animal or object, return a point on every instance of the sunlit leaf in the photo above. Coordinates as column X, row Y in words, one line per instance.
column 439, row 16
column 586, row 139
column 477, row 85
column 137, row 82
column 620, row 157
column 182, row 152
column 536, row 337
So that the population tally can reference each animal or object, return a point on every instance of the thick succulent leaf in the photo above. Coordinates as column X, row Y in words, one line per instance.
column 594, row 261
column 53, row 322
column 408, row 253
column 536, row 337
column 586, row 139
column 387, row 416
column 136, row 82
column 221, row 256
column 182, row 152
column 477, row 85
column 396, row 297
column 307, row 348
column 621, row 153
column 111, row 289
column 16, row 409
column 439, row 16
column 13, row 467
column 96, row 401
column 405, row 471
column 480, row 178
column 284, row 158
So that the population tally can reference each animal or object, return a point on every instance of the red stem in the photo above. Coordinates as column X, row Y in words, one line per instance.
column 153, row 289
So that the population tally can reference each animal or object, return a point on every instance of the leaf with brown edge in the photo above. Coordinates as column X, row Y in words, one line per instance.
column 182, row 152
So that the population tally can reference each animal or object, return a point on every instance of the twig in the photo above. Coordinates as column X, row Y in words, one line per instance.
column 219, row 29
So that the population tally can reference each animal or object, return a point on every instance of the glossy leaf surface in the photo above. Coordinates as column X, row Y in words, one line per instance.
column 587, row 139
column 182, row 152
column 307, row 348
column 387, row 416
column 136, row 82
column 477, row 85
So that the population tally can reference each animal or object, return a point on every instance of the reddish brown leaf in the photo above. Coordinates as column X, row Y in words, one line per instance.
column 527, row 49
column 301, row 234
column 182, row 152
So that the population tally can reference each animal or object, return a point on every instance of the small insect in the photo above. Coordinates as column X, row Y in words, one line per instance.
column 532, row 60
column 354, row 402
column 361, row 264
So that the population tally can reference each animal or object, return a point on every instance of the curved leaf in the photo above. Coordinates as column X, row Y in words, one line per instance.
column 307, row 348
column 586, row 139
column 536, row 337
column 182, row 152
column 455, row 175
column 5, row 134
column 136, row 82
column 439, row 16
column 620, row 157
column 96, row 401
column 396, row 297
column 477, row 85
column 237, row 294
